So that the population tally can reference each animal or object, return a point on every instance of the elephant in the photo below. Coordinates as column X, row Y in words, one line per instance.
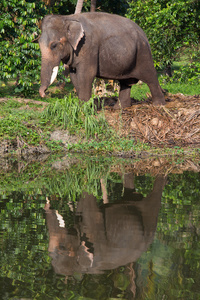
column 106, row 237
column 97, row 44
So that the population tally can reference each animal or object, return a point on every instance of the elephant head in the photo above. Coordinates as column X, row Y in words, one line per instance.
column 58, row 42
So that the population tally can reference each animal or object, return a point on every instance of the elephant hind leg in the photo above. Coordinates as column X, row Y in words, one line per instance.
column 157, row 94
column 124, row 95
column 148, row 75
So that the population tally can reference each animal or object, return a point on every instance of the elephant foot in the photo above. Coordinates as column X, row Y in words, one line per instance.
column 121, row 105
column 42, row 91
column 158, row 101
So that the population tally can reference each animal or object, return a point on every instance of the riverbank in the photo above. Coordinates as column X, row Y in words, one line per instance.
column 136, row 131
column 30, row 127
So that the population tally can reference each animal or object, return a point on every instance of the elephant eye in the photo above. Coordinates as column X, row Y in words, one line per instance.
column 53, row 45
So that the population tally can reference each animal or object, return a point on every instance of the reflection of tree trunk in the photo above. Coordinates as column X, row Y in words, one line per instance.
column 79, row 6
column 49, row 3
column 93, row 5
column 104, row 191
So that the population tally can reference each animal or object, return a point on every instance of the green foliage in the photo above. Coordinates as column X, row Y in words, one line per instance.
column 189, row 72
column 15, row 123
column 168, row 24
column 19, row 48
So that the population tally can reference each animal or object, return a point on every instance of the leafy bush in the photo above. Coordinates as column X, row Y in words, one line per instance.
column 19, row 32
column 187, row 73
column 168, row 24
column 190, row 72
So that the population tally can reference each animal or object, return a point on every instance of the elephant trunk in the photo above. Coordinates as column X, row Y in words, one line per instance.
column 48, row 75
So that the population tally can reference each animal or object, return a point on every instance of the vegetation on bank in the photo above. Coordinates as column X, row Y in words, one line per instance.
column 27, row 125
column 31, row 125
column 170, row 26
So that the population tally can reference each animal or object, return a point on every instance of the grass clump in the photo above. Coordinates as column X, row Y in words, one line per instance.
column 63, row 113
column 78, row 118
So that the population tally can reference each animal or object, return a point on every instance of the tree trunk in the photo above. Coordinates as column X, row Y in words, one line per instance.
column 93, row 5
column 79, row 6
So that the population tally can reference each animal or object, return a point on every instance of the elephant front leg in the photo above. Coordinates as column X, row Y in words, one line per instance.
column 83, row 84
column 124, row 96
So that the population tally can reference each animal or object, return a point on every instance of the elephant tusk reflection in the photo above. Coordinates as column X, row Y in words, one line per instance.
column 60, row 220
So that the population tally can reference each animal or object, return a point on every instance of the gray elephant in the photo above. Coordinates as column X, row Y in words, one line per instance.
column 98, row 45
column 107, row 237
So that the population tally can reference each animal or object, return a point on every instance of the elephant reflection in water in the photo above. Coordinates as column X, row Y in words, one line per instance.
column 107, row 237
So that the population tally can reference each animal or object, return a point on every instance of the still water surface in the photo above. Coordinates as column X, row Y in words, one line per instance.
column 89, row 230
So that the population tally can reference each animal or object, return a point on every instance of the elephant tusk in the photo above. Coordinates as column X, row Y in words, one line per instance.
column 54, row 74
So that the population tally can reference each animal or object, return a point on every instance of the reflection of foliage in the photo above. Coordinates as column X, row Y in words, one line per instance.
column 144, row 184
column 23, row 238
column 70, row 182
column 175, row 252
column 168, row 269
column 182, row 193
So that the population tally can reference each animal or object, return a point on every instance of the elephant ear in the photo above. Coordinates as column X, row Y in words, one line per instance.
column 75, row 33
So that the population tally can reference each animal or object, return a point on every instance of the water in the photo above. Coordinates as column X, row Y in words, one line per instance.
column 98, row 229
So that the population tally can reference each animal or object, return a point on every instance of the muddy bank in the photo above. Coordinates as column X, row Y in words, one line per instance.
column 149, row 165
column 175, row 125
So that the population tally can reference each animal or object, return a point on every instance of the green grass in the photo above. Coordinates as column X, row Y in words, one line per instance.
column 8, row 90
column 16, row 122
column 140, row 91
column 33, row 127
column 183, row 88
column 79, row 118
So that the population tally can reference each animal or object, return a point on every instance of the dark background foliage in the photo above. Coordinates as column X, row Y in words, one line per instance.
column 170, row 26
